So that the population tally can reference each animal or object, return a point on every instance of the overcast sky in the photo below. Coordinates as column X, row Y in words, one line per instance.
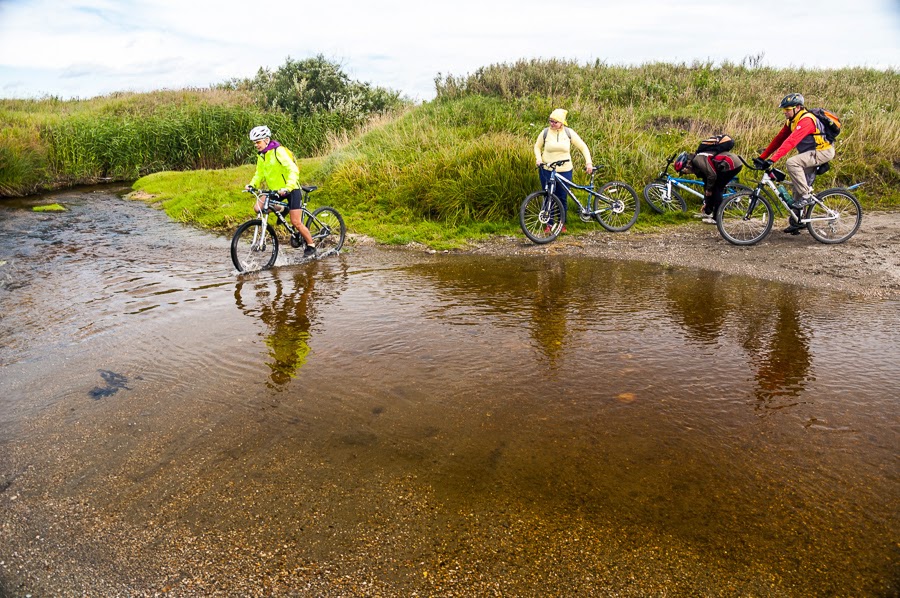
column 85, row 48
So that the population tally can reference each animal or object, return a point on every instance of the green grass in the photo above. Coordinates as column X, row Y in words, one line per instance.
column 212, row 199
column 457, row 168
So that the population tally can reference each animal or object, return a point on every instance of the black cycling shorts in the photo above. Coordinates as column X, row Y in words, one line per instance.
column 296, row 200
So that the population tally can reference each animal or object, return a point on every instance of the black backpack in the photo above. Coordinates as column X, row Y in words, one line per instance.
column 831, row 124
column 715, row 145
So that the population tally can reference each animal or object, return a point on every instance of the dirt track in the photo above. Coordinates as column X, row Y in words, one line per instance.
column 868, row 264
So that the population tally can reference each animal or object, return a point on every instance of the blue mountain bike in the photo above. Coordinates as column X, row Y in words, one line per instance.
column 663, row 194
column 614, row 206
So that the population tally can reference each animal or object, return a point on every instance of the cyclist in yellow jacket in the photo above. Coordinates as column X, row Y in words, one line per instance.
column 803, row 131
column 555, row 143
column 276, row 168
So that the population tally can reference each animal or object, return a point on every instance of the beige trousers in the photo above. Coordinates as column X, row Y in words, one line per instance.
column 801, row 166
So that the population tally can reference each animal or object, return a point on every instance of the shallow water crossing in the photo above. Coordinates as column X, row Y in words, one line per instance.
column 393, row 423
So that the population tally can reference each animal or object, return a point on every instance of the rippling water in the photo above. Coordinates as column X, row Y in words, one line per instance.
column 434, row 423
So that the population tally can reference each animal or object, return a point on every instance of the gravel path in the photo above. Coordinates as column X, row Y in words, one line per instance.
column 868, row 264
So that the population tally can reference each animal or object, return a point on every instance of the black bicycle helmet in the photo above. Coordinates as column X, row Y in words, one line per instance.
column 681, row 161
column 791, row 100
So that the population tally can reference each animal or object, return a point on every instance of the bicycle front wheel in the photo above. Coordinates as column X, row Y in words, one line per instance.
column 662, row 199
column 744, row 219
column 733, row 188
column 541, row 217
column 835, row 218
column 254, row 246
column 616, row 207
column 327, row 229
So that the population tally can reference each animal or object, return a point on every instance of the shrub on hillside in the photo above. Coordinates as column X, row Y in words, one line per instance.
column 303, row 88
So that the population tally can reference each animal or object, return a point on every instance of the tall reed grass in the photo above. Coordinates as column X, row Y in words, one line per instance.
column 50, row 143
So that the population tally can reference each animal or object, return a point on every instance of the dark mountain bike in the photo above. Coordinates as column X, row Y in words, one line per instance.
column 615, row 206
column 255, row 243
column 747, row 217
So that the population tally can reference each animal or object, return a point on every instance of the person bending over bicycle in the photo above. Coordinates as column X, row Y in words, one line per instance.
column 276, row 167
column 555, row 143
column 716, row 170
column 803, row 131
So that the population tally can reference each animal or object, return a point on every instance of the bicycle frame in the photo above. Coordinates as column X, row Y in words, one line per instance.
column 683, row 184
column 768, row 181
column 271, row 204
column 584, row 211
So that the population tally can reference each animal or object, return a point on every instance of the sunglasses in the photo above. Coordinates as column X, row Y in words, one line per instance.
column 553, row 122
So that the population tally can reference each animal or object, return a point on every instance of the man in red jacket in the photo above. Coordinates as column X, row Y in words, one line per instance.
column 803, row 131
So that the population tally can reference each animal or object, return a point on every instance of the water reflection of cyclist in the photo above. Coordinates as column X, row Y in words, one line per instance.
column 784, row 365
column 555, row 143
column 276, row 168
column 289, row 314
column 550, row 310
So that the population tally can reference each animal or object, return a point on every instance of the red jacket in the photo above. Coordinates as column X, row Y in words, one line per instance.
column 710, row 166
column 802, row 132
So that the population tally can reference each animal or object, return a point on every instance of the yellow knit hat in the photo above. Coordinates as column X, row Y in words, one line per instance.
column 560, row 115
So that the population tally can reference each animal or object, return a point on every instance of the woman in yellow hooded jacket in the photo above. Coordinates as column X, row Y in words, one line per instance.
column 276, row 167
column 555, row 143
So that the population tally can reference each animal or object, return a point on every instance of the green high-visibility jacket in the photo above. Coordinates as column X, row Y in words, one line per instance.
column 277, row 168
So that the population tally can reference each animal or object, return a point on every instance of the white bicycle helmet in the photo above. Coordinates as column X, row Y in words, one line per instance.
column 261, row 132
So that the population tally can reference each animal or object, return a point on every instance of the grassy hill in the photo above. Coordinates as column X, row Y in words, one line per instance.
column 458, row 166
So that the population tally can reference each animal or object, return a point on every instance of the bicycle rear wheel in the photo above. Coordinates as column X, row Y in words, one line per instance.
column 617, row 206
column 835, row 218
column 254, row 246
column 662, row 200
column 541, row 217
column 744, row 219
column 327, row 229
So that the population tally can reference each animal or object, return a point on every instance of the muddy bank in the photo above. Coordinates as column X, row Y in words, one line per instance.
column 866, row 265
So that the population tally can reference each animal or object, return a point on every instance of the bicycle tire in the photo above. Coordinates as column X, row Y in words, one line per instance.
column 739, row 224
column 540, row 217
column 776, row 203
column 837, row 230
column 623, row 211
column 655, row 196
column 326, row 225
column 733, row 188
column 254, row 246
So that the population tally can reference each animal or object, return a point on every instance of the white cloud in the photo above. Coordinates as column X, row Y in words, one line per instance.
column 92, row 47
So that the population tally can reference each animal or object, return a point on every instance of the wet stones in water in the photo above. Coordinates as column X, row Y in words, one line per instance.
column 114, row 383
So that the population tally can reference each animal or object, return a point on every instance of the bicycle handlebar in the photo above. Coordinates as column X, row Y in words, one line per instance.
column 270, row 197
column 259, row 192
column 553, row 165
column 749, row 165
